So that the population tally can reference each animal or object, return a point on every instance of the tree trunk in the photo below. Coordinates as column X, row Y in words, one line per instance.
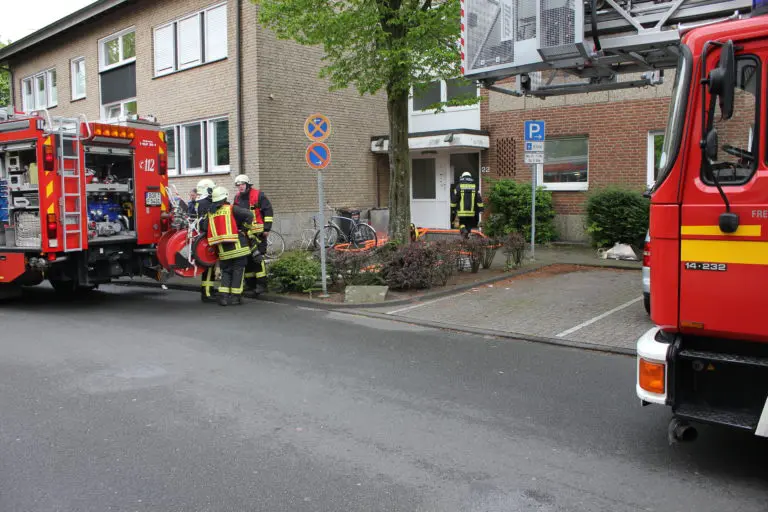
column 399, row 167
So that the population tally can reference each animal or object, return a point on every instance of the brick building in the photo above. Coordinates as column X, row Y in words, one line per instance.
column 231, row 96
column 593, row 140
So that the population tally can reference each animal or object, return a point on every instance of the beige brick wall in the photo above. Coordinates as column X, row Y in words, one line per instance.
column 280, row 89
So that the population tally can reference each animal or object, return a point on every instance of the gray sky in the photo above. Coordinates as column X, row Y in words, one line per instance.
column 22, row 17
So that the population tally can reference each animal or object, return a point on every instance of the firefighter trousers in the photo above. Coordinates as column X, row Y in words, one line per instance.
column 232, row 276
column 256, row 270
column 467, row 224
column 206, row 291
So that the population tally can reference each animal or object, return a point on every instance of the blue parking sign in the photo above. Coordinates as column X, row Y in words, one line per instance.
column 534, row 131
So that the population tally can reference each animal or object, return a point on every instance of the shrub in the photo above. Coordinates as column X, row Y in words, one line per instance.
column 510, row 204
column 295, row 271
column 617, row 215
column 419, row 265
column 514, row 249
column 348, row 268
column 474, row 248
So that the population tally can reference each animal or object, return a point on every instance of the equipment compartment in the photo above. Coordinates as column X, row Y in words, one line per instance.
column 20, row 222
column 110, row 195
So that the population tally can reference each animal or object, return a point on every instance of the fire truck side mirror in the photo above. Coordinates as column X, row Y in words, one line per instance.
column 722, row 80
column 710, row 148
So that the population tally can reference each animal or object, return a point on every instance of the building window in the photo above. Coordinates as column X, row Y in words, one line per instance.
column 170, row 140
column 191, row 41
column 655, row 149
column 40, row 91
column 77, row 70
column 122, row 108
column 199, row 147
column 443, row 91
column 566, row 164
column 423, row 178
column 117, row 49
column 218, row 136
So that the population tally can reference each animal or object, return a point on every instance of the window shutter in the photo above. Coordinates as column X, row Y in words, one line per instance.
column 164, row 50
column 189, row 42
column 216, row 33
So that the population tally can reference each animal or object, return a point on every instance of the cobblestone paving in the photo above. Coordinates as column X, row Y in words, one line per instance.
column 548, row 305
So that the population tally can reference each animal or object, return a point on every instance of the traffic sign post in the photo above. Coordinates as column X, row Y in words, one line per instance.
column 317, row 128
column 535, row 136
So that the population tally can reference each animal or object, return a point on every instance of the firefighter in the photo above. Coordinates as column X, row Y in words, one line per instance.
column 258, row 203
column 200, row 208
column 466, row 204
column 226, row 226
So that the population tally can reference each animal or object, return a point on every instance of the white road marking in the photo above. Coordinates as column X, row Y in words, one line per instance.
column 599, row 317
column 762, row 425
column 427, row 303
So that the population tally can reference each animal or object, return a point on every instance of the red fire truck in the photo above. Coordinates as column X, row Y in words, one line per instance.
column 707, row 357
column 80, row 203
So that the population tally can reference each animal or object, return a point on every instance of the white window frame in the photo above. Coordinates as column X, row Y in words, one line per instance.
column 213, row 168
column 443, row 98
column 122, row 103
column 207, row 146
column 184, row 167
column 176, row 169
column 103, row 66
column 564, row 187
column 73, row 78
column 203, row 40
column 651, row 156
column 47, row 90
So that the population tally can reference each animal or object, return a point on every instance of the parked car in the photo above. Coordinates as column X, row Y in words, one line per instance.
column 647, row 273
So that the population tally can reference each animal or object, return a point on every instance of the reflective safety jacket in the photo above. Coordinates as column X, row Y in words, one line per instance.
column 256, row 201
column 466, row 200
column 225, row 226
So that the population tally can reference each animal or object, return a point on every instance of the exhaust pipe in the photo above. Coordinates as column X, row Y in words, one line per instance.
column 681, row 431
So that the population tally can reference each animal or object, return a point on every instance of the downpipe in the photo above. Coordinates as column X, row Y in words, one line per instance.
column 681, row 431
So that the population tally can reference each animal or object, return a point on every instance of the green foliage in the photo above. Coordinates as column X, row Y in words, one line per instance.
column 510, row 204
column 373, row 44
column 295, row 271
column 5, row 83
column 617, row 215
column 348, row 268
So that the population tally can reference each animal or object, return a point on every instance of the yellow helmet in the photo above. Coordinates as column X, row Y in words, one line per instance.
column 242, row 178
column 219, row 194
column 205, row 186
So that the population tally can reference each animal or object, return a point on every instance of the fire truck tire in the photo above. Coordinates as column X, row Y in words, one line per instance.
column 647, row 302
column 70, row 287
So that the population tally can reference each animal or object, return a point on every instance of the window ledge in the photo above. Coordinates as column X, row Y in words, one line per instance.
column 75, row 100
column 200, row 173
column 565, row 187
column 176, row 72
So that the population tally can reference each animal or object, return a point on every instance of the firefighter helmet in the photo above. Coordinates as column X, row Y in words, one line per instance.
column 242, row 178
column 205, row 186
column 466, row 175
column 219, row 194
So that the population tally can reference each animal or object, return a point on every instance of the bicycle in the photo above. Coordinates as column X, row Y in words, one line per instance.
column 360, row 233
column 275, row 245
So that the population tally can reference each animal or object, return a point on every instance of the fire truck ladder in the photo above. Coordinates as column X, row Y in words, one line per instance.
column 71, row 204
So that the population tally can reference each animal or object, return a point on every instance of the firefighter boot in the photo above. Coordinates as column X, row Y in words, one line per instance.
column 235, row 300
column 224, row 299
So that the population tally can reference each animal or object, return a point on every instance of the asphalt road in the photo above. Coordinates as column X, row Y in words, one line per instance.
column 142, row 400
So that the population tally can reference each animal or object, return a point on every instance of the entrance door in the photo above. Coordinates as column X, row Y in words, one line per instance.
column 430, row 199
column 465, row 162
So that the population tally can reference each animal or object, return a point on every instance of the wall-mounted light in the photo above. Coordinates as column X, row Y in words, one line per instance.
column 379, row 142
column 448, row 138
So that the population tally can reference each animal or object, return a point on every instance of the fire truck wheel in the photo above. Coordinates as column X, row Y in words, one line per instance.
column 70, row 287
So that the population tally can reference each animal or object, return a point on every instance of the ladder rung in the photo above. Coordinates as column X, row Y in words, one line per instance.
column 71, row 232
column 67, row 194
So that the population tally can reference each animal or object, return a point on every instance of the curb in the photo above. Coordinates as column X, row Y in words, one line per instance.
column 282, row 299
column 500, row 334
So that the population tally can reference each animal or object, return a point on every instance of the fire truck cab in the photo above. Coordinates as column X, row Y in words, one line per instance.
column 80, row 203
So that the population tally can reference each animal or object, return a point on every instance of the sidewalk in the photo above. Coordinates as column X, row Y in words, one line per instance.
column 566, row 296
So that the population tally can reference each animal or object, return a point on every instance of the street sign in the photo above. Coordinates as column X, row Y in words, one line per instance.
column 534, row 131
column 318, row 155
column 537, row 147
column 317, row 127
column 534, row 158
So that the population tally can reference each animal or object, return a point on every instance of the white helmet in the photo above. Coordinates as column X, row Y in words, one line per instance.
column 242, row 178
column 204, row 186
column 466, row 174
column 219, row 194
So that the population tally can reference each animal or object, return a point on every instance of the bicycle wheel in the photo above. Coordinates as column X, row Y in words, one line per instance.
column 275, row 245
column 332, row 235
column 362, row 235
